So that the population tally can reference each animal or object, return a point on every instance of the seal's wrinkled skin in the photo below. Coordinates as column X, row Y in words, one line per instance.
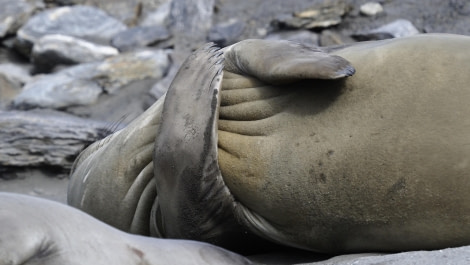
column 282, row 145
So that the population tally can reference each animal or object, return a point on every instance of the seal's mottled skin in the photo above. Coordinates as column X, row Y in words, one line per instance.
column 295, row 152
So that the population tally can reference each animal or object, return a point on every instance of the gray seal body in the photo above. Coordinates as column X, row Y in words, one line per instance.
column 347, row 149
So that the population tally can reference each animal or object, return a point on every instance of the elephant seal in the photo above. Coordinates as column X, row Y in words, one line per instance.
column 282, row 144
column 39, row 231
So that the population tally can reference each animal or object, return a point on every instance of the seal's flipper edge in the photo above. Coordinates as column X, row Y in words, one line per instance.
column 193, row 200
column 183, row 144
column 280, row 62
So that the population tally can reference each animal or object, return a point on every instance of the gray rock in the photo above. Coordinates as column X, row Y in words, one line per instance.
column 141, row 36
column 121, row 108
column 15, row 73
column 85, row 22
column 161, row 87
column 130, row 12
column 44, row 139
column 52, row 50
column 190, row 22
column 13, row 14
column 83, row 84
column 396, row 29
column 371, row 9
column 301, row 36
column 226, row 33
column 57, row 91
column 12, row 79
column 126, row 68
column 331, row 38
column 320, row 16
column 450, row 256
column 158, row 17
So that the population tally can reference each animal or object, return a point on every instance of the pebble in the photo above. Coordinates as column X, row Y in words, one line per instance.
column 371, row 9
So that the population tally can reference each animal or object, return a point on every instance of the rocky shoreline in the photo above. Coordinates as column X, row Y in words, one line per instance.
column 73, row 71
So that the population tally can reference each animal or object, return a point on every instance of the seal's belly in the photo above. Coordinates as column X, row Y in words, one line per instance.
column 381, row 160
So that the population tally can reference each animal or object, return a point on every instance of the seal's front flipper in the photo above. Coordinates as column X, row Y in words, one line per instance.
column 185, row 157
column 280, row 62
column 193, row 201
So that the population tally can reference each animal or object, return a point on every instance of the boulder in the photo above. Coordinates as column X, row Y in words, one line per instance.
column 57, row 91
column 396, row 29
column 83, row 84
column 12, row 79
column 226, row 33
column 85, row 22
column 55, row 49
column 45, row 139
column 13, row 14
column 140, row 36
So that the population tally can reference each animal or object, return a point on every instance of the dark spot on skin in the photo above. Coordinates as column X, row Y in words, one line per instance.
column 312, row 134
column 330, row 152
column 322, row 178
column 297, row 144
column 137, row 252
column 320, row 163
column 397, row 188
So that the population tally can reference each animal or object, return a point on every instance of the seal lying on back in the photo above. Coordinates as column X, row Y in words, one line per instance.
column 38, row 231
column 283, row 146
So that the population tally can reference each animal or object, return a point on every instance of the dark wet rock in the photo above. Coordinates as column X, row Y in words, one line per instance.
column 61, row 2
column 52, row 50
column 320, row 16
column 13, row 14
column 44, row 139
column 138, row 37
column 85, row 22
column 83, row 84
column 371, row 9
column 226, row 33
column 396, row 29
column 301, row 36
